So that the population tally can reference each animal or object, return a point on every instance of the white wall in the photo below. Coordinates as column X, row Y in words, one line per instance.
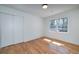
column 32, row 26
column 73, row 27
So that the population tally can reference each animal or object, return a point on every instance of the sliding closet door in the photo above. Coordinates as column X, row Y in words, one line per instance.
column 18, row 29
column 11, row 29
column 6, row 29
column 0, row 31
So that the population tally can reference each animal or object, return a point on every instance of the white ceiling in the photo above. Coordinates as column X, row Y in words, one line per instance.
column 36, row 9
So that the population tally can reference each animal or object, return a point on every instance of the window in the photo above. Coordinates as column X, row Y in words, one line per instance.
column 60, row 25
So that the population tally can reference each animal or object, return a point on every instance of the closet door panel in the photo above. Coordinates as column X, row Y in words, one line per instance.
column 6, row 29
column 0, row 30
column 18, row 29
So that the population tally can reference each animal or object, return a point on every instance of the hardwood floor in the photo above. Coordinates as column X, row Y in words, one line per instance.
column 42, row 45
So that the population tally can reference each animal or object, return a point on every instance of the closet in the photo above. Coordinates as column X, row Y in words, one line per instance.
column 11, row 29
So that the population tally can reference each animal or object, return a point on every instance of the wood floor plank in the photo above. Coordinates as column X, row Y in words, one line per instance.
column 42, row 45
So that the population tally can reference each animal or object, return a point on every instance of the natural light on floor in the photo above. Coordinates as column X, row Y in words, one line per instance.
column 47, row 40
column 53, row 42
column 59, row 44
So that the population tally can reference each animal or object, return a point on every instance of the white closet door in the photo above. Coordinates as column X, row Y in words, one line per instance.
column 0, row 31
column 18, row 29
column 6, row 29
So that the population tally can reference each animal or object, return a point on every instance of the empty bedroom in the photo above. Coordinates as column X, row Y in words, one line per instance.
column 39, row 28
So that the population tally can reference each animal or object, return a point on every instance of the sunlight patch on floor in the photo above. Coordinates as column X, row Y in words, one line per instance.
column 56, row 43
column 53, row 42
column 47, row 40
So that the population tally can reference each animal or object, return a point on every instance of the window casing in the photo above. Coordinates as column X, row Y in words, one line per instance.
column 60, row 25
